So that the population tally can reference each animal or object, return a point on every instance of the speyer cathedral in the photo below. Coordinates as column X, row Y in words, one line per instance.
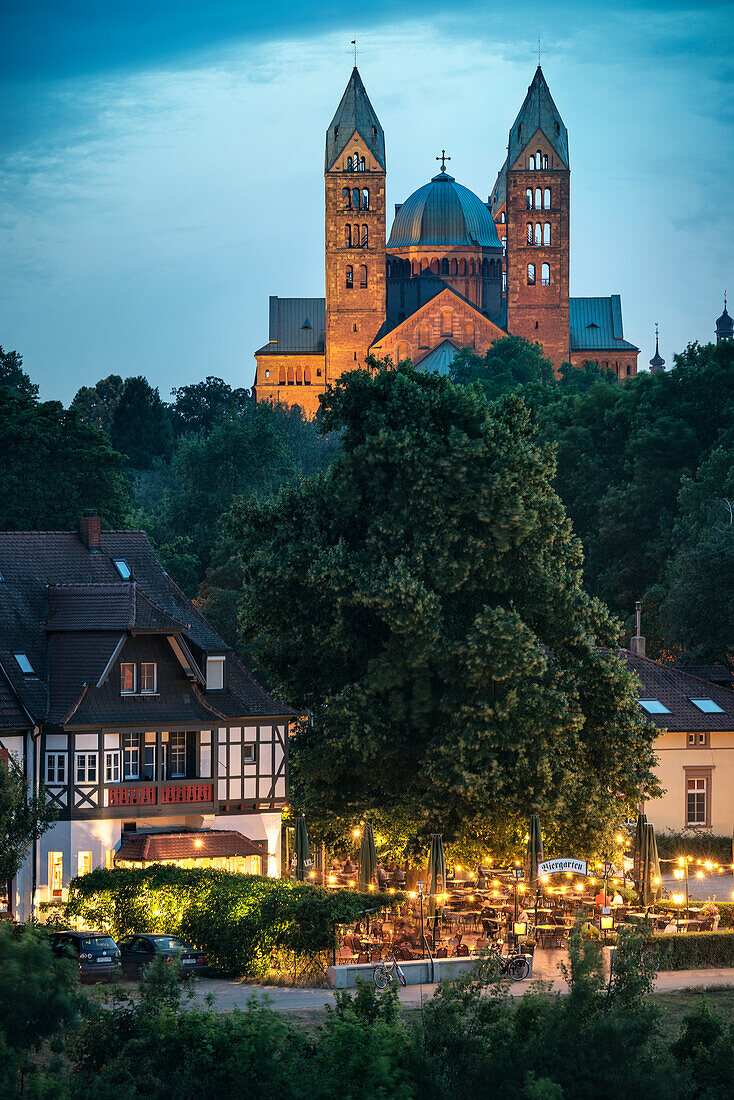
column 454, row 271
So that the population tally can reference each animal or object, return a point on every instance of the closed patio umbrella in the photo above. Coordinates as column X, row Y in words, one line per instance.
column 535, row 851
column 650, row 889
column 637, row 852
column 367, row 858
column 302, row 853
column 436, row 877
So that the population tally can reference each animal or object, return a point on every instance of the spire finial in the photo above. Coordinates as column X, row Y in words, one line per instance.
column 725, row 301
column 443, row 158
column 538, row 52
column 354, row 43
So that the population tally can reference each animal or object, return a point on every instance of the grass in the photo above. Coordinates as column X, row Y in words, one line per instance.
column 680, row 1002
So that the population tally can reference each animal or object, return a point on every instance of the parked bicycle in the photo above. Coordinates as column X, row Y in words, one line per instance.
column 387, row 970
column 494, row 964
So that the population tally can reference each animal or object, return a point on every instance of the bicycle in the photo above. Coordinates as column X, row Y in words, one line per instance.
column 386, row 971
column 494, row 964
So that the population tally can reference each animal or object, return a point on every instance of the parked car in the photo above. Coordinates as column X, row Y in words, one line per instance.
column 139, row 951
column 97, row 953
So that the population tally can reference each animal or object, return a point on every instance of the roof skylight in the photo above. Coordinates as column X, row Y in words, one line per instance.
column 653, row 706
column 708, row 706
column 23, row 663
column 122, row 568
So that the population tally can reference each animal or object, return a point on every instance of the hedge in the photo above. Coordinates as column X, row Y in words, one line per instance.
column 694, row 950
column 240, row 921
column 699, row 845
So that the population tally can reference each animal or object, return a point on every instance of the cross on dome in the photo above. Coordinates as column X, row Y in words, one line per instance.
column 443, row 158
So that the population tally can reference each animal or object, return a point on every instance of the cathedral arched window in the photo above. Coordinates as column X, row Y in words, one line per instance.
column 485, row 269
column 363, row 241
column 472, row 268
column 454, row 267
column 529, row 198
column 365, row 199
column 415, row 268
column 299, row 376
column 531, row 163
column 281, row 376
column 539, row 160
column 530, row 232
column 403, row 352
column 538, row 233
column 546, row 199
column 545, row 160
column 463, row 267
column 470, row 338
column 434, row 266
column 350, row 276
column 347, row 236
column 531, row 274
column 503, row 218
column 363, row 275
column 545, row 274
column 291, row 376
column 423, row 337
column 355, row 198
column 444, row 266
column 537, row 198
column 447, row 322
column 546, row 233
column 347, row 198
column 307, row 376
column 389, row 269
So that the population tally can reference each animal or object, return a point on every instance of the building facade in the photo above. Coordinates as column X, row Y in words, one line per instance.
column 454, row 272
column 118, row 699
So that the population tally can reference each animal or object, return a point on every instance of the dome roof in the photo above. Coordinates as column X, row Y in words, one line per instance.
column 444, row 214
column 725, row 323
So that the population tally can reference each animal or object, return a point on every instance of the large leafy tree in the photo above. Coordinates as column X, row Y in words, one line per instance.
column 509, row 363
column 22, row 818
column 198, row 406
column 96, row 404
column 13, row 375
column 141, row 425
column 422, row 601
column 53, row 467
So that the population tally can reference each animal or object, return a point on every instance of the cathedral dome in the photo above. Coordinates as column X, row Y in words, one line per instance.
column 443, row 214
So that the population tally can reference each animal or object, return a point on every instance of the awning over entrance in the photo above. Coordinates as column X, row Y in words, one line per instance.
column 198, row 845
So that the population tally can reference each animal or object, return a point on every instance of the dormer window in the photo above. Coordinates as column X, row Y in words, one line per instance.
column 127, row 678
column 122, row 568
column 215, row 673
column 148, row 678
column 707, row 706
column 24, row 664
column 653, row 706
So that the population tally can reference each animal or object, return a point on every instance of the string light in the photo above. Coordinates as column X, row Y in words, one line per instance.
column 543, row 878
column 355, row 833
column 332, row 879
column 312, row 874
column 391, row 890
column 351, row 884
column 371, row 886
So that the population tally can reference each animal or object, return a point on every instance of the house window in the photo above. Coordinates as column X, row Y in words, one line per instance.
column 86, row 767
column 363, row 242
column 24, row 664
column 149, row 757
column 112, row 766
column 708, row 706
column 177, row 755
column 55, row 873
column 653, row 706
column 531, row 163
column 447, row 322
column 538, row 194
column 538, row 233
column 546, row 199
column 55, row 767
column 83, row 863
column 365, row 199
column 545, row 274
column 214, row 673
column 122, row 568
column 347, row 198
column 531, row 274
column 363, row 276
column 350, row 276
column 530, row 232
column 529, row 198
column 127, row 678
column 697, row 790
column 131, row 761
column 355, row 198
column 148, row 677
column 248, row 753
column 546, row 233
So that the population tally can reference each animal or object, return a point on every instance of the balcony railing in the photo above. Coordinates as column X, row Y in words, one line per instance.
column 187, row 792
column 171, row 794
column 133, row 796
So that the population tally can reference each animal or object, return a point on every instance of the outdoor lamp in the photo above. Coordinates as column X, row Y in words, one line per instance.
column 678, row 872
column 312, row 874
column 371, row 886
column 520, row 927
column 411, row 895
column 517, row 872
column 197, row 843
column 355, row 833
column 579, row 886
column 351, row 884
column 332, row 879
column 544, row 878
column 678, row 899
column 708, row 864
column 607, row 922
column 619, row 839
column 391, row 890
column 699, row 874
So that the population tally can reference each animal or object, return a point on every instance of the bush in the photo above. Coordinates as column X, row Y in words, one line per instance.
column 699, row 845
column 241, row 921
column 694, row 950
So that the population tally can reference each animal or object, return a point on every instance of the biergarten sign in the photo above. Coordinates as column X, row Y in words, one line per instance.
column 558, row 866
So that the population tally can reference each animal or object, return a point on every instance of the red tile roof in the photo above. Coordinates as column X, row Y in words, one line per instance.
column 215, row 844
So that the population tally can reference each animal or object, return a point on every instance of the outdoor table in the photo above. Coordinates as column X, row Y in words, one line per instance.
column 686, row 921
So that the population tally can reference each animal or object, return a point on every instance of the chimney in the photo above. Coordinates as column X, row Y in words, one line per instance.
column 637, row 644
column 90, row 530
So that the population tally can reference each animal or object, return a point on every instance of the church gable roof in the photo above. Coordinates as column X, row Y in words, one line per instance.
column 446, row 297
column 354, row 113
column 498, row 198
column 596, row 324
column 296, row 325
column 538, row 112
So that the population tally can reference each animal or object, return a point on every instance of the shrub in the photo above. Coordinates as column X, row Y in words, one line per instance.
column 699, row 845
column 241, row 921
column 694, row 950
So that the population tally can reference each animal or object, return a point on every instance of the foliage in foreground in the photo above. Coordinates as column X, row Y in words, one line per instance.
column 240, row 921
column 599, row 1039
column 422, row 601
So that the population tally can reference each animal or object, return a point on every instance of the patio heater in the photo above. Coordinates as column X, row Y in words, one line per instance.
column 517, row 872
column 607, row 870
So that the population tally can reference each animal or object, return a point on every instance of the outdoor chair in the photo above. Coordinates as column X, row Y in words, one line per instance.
column 375, row 954
column 462, row 951
column 558, row 937
column 363, row 957
column 441, row 953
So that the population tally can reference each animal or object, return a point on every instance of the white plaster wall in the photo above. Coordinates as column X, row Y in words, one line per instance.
column 263, row 826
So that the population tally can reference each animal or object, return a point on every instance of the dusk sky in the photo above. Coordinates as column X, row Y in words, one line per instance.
column 162, row 167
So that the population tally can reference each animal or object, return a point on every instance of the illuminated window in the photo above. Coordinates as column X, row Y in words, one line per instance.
column 365, row 199
column 531, row 274
column 350, row 277
column 530, row 232
column 546, row 199
column 531, row 163
column 538, row 198
column 364, row 238
column 83, row 863
column 55, row 873
column 546, row 233
column 529, row 198
column 545, row 275
column 127, row 678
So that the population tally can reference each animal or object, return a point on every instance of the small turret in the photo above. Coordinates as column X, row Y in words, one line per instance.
column 657, row 363
column 724, row 325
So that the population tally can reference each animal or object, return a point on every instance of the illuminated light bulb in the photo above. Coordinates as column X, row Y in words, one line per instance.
column 678, row 873
column 579, row 886
column 197, row 843
column 678, row 899
column 568, row 874
column 527, row 837
column 543, row 878
column 371, row 886
column 392, row 890
column 495, row 893
column 458, row 867
column 312, row 874
column 615, row 881
column 593, row 881
column 517, row 863
column 331, row 878
column 411, row 894
column 656, row 881
column 471, row 897
column 681, row 860
column 619, row 839
column 355, row 833
column 699, row 874
column 708, row 864
column 521, row 889
column 351, row 884
column 495, row 882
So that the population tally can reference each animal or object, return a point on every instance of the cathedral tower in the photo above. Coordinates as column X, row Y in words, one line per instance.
column 537, row 215
column 355, row 230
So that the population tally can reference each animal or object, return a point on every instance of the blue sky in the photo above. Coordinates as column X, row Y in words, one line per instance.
column 162, row 161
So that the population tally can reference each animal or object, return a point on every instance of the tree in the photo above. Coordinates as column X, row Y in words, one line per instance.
column 13, row 375
column 199, row 406
column 22, row 819
column 96, row 405
column 579, row 379
column 422, row 601
column 53, row 468
column 510, row 362
column 141, row 425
